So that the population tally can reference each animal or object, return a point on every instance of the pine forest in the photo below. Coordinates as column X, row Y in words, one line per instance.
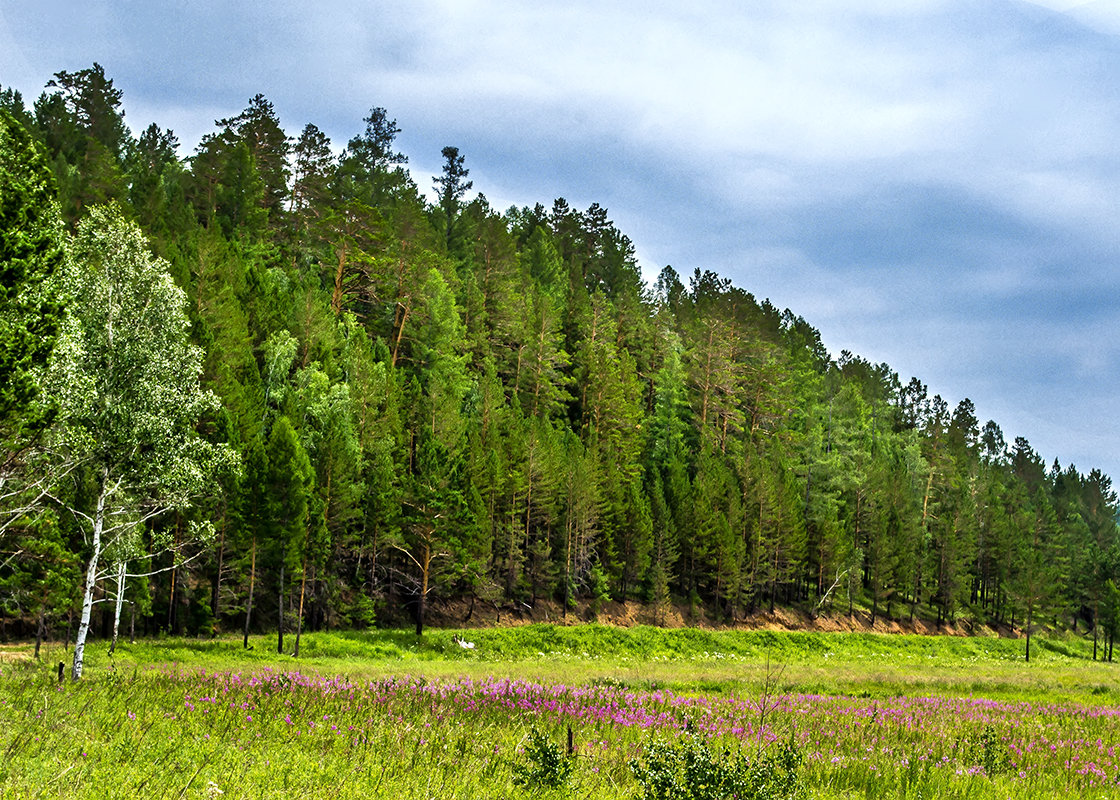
column 274, row 385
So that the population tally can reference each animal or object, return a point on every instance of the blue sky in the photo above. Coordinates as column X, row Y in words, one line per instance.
column 934, row 184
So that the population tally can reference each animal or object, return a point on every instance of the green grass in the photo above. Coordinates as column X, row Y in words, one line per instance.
column 682, row 659
column 135, row 727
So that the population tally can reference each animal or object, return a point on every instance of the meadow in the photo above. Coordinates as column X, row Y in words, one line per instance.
column 643, row 710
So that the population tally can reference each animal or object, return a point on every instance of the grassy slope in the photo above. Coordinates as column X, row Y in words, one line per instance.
column 862, row 664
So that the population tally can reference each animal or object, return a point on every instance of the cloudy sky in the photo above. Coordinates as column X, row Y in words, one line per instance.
column 931, row 183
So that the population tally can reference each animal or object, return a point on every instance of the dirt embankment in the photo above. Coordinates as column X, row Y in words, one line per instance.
column 465, row 614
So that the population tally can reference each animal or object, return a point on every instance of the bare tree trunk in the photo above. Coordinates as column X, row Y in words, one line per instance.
column 567, row 564
column 299, row 619
column 172, row 617
column 402, row 315
column 171, row 605
column 40, row 628
column 511, row 566
column 121, row 569
column 425, row 569
column 1094, row 632
column 216, row 594
column 252, row 581
column 90, row 583
column 340, row 272
column 280, row 607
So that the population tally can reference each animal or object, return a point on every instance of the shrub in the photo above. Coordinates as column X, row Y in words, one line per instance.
column 988, row 752
column 545, row 764
column 690, row 769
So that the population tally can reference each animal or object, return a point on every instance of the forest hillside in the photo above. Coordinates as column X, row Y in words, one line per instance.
column 269, row 383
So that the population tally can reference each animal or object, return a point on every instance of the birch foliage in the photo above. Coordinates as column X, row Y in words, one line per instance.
column 127, row 380
column 125, row 372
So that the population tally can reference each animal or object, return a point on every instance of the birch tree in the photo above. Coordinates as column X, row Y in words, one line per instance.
column 126, row 378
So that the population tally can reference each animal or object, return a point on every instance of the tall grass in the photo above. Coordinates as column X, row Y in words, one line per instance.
column 878, row 665
column 873, row 716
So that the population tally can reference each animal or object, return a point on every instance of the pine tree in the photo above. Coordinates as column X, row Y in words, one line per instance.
column 268, row 149
column 437, row 494
column 371, row 170
column 157, row 185
column 289, row 482
column 86, row 137
column 451, row 185
column 31, row 253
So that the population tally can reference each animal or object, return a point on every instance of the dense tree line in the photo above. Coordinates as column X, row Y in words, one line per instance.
column 400, row 400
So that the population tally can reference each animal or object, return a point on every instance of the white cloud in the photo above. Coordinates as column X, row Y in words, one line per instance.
column 934, row 184
column 1102, row 15
column 794, row 83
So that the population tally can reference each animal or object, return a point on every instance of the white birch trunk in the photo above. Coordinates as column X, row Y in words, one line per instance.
column 121, row 568
column 90, row 582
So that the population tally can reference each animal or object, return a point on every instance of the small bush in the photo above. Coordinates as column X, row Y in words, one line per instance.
column 545, row 764
column 988, row 752
column 690, row 769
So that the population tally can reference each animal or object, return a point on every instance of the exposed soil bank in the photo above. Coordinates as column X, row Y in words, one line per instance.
column 464, row 614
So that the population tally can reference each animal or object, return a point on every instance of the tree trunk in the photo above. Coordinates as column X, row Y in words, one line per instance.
column 339, row 272
column 216, row 592
column 90, row 583
column 511, row 564
column 280, row 621
column 172, row 616
column 171, row 606
column 252, row 580
column 1094, row 632
column 774, row 579
column 121, row 569
column 567, row 565
column 402, row 316
column 40, row 628
column 299, row 619
column 425, row 570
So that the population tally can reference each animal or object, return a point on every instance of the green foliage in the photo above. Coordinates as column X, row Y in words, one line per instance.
column 600, row 588
column 987, row 751
column 543, row 763
column 125, row 372
column 289, row 481
column 692, row 768
column 82, row 125
column 126, row 379
column 42, row 577
column 30, row 255
column 1110, row 610
column 451, row 186
column 493, row 407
